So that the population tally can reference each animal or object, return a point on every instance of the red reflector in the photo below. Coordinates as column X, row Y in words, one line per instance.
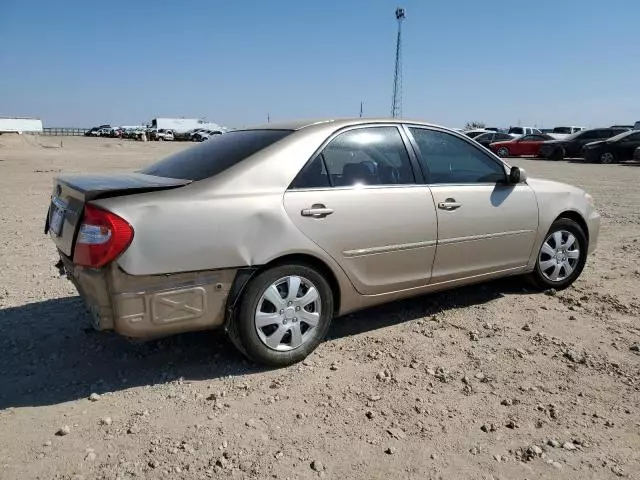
column 102, row 237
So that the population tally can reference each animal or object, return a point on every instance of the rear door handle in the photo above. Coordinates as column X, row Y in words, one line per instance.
column 316, row 211
column 449, row 204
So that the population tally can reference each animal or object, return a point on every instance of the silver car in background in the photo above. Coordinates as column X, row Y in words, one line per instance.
column 273, row 231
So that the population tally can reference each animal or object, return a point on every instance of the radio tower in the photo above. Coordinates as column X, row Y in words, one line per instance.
column 396, row 103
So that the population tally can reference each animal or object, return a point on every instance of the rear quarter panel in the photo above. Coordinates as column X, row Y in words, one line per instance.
column 179, row 232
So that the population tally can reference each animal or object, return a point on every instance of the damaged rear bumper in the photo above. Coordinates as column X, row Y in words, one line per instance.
column 149, row 306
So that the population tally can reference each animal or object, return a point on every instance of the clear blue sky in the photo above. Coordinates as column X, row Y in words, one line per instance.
column 543, row 62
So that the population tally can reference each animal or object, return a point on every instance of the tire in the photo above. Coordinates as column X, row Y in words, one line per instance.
column 607, row 158
column 503, row 152
column 558, row 154
column 280, row 322
column 543, row 275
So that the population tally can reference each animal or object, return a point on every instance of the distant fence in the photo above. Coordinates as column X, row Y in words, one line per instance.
column 61, row 132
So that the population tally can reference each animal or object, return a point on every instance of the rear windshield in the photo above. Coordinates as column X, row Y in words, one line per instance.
column 215, row 155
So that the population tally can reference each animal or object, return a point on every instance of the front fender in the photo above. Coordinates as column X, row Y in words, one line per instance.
column 555, row 200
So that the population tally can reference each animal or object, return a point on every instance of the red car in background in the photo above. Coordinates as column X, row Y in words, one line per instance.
column 525, row 145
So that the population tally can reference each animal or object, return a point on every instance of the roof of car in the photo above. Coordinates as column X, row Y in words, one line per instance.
column 337, row 122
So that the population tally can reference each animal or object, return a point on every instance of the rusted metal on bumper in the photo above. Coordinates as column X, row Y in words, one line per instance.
column 149, row 306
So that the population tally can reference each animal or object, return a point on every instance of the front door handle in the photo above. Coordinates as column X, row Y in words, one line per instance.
column 317, row 210
column 449, row 204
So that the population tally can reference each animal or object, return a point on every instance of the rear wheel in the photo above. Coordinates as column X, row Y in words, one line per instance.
column 562, row 255
column 503, row 152
column 284, row 314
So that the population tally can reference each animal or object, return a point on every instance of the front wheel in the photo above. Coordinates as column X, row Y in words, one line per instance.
column 284, row 314
column 562, row 255
column 607, row 158
column 558, row 154
column 503, row 152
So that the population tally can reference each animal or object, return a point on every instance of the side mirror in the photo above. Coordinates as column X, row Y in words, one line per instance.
column 517, row 175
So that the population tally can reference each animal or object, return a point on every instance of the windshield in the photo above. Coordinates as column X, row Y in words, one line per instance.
column 562, row 130
column 215, row 155
column 575, row 135
column 516, row 130
column 620, row 136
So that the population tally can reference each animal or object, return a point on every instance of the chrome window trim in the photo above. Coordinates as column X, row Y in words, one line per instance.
column 407, row 185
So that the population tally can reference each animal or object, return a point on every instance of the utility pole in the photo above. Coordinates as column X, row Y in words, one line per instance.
column 360, row 109
column 396, row 103
column 268, row 118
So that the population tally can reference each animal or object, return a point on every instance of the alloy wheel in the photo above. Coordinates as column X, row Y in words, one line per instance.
column 287, row 313
column 559, row 255
column 606, row 157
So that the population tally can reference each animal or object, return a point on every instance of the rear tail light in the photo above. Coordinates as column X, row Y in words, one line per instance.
column 102, row 237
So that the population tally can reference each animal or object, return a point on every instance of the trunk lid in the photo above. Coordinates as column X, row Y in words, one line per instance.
column 71, row 192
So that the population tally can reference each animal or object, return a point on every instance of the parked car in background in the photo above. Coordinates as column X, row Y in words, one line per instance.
column 628, row 127
column 116, row 132
column 164, row 135
column 567, row 130
column 636, row 154
column 475, row 133
column 615, row 149
column 182, row 125
column 487, row 138
column 227, row 235
column 93, row 132
column 636, row 126
column 519, row 131
column 560, row 133
column 571, row 146
column 517, row 147
column 205, row 135
column 134, row 133
column 192, row 133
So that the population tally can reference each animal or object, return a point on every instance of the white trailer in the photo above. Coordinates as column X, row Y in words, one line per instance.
column 20, row 125
column 183, row 125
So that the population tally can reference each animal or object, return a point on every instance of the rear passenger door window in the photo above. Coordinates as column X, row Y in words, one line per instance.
column 445, row 158
column 362, row 156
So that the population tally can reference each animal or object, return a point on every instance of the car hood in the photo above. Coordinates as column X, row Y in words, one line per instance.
column 553, row 142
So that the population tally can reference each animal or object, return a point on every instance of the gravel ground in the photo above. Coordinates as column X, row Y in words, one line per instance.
column 493, row 381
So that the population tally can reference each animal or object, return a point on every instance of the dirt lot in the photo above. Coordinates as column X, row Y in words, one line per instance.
column 492, row 381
